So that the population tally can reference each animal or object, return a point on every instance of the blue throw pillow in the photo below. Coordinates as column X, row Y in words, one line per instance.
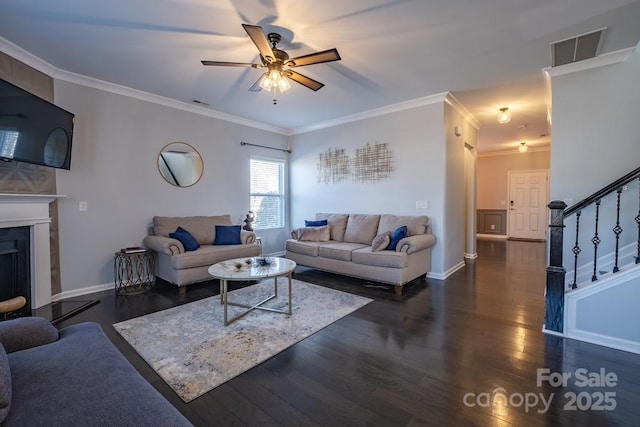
column 399, row 234
column 319, row 223
column 227, row 235
column 188, row 241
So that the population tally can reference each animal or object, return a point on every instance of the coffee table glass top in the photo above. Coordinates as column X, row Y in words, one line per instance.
column 252, row 268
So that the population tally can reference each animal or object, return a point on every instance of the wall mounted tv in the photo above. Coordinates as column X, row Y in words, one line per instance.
column 33, row 130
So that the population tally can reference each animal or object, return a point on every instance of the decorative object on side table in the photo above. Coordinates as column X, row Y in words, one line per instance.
column 133, row 269
column 249, row 220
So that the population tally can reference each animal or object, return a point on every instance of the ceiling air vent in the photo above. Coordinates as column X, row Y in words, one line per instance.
column 578, row 48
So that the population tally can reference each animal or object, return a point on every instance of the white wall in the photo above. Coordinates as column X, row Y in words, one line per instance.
column 421, row 153
column 594, row 142
column 114, row 168
column 457, row 194
column 594, row 134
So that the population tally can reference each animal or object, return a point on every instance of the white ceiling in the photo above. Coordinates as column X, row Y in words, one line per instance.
column 488, row 53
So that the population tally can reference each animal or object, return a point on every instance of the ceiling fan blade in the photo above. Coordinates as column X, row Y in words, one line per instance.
column 304, row 80
column 314, row 58
column 232, row 64
column 260, row 40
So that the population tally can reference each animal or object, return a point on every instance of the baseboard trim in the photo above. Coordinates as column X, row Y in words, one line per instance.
column 604, row 340
column 449, row 272
column 83, row 291
column 550, row 332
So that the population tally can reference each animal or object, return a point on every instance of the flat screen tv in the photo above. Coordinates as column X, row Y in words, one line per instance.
column 33, row 130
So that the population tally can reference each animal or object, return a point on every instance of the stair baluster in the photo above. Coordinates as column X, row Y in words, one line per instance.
column 596, row 242
column 617, row 229
column 576, row 250
column 637, row 218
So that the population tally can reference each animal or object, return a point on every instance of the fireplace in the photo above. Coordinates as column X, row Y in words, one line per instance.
column 26, row 215
column 15, row 277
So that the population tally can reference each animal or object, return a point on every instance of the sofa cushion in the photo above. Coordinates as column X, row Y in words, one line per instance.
column 415, row 224
column 314, row 234
column 210, row 254
column 390, row 259
column 227, row 235
column 5, row 385
column 397, row 235
column 337, row 224
column 361, row 228
column 26, row 332
column 381, row 241
column 200, row 227
column 339, row 250
column 188, row 241
column 303, row 248
column 318, row 223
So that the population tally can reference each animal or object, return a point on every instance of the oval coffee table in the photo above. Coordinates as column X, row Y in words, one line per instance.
column 248, row 269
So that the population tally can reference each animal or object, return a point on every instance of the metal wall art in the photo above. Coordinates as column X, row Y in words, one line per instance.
column 370, row 164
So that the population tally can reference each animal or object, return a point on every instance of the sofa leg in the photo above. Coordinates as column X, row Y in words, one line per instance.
column 398, row 289
column 182, row 292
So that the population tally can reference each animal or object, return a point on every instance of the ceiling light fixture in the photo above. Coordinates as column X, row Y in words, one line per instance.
column 274, row 79
column 523, row 147
column 504, row 116
column 278, row 64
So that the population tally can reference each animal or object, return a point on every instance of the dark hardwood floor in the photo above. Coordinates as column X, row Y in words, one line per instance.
column 463, row 351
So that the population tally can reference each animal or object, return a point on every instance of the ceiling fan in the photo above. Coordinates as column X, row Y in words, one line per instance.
column 277, row 62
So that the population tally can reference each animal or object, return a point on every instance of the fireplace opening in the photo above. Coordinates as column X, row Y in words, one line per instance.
column 15, row 270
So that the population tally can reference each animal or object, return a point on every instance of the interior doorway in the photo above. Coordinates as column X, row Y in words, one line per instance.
column 528, row 200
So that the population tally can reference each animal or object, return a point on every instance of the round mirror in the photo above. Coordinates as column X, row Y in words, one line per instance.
column 180, row 164
column 56, row 148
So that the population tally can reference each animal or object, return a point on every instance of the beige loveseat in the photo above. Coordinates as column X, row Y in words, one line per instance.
column 345, row 247
column 181, row 267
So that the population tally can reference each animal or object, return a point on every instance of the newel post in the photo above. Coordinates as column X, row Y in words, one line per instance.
column 554, row 299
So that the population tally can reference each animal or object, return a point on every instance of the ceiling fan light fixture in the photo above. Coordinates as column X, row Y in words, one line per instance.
column 523, row 147
column 265, row 82
column 274, row 79
column 504, row 116
column 283, row 84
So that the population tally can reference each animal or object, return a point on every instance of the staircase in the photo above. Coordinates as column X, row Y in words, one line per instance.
column 597, row 298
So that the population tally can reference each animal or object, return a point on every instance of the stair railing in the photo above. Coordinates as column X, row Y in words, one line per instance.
column 556, row 273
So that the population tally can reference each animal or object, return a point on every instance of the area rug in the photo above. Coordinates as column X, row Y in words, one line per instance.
column 193, row 352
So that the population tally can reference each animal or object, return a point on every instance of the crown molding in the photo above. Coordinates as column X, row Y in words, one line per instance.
column 28, row 58
column 588, row 64
column 514, row 151
column 167, row 102
column 57, row 74
column 401, row 106
column 462, row 110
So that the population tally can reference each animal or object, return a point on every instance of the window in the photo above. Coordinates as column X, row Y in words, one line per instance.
column 267, row 192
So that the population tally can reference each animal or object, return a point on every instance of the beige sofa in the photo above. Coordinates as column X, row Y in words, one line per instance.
column 181, row 267
column 346, row 247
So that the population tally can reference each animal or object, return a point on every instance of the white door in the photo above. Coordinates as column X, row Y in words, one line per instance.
column 528, row 193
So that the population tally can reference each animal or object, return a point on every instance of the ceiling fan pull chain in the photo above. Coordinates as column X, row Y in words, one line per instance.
column 275, row 101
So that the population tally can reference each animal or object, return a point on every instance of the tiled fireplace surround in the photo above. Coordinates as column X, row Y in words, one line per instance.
column 32, row 210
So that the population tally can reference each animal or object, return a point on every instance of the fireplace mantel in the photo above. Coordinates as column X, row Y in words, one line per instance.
column 32, row 210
